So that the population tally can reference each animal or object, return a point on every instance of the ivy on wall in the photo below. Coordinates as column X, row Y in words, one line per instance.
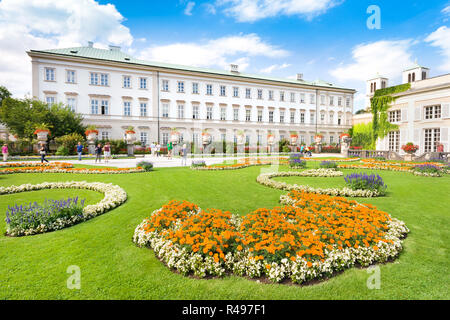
column 380, row 104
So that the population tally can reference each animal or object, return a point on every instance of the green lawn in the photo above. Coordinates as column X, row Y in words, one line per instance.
column 112, row 267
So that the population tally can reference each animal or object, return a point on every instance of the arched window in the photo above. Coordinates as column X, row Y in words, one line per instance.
column 409, row 77
column 371, row 87
column 413, row 77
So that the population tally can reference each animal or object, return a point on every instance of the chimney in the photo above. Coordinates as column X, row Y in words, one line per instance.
column 114, row 48
column 299, row 76
column 90, row 44
column 234, row 68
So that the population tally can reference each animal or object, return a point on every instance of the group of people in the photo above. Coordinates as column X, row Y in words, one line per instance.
column 99, row 149
column 155, row 149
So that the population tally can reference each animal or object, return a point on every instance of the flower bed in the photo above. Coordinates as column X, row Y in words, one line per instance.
column 60, row 167
column 114, row 197
column 333, row 159
column 266, row 180
column 427, row 170
column 313, row 237
column 363, row 181
column 296, row 162
column 328, row 164
column 240, row 165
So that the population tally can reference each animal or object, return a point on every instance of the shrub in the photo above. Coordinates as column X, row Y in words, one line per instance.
column 328, row 165
column 199, row 163
column 69, row 141
column 33, row 215
column 295, row 161
column 427, row 168
column 62, row 151
column 380, row 158
column 362, row 181
column 146, row 165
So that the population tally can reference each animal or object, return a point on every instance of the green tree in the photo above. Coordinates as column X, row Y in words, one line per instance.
column 4, row 93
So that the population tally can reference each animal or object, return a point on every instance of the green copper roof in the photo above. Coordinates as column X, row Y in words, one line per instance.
column 116, row 55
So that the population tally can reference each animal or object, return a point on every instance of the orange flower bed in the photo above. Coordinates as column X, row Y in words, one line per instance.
column 312, row 236
column 60, row 167
column 243, row 163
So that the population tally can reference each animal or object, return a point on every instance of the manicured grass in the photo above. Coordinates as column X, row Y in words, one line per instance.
column 112, row 267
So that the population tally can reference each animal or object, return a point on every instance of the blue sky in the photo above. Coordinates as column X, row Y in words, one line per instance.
column 323, row 39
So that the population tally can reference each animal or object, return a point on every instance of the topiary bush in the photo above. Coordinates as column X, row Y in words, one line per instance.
column 146, row 165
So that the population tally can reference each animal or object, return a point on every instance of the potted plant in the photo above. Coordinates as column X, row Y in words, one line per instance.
column 318, row 138
column 91, row 133
column 294, row 137
column 206, row 137
column 344, row 136
column 174, row 136
column 410, row 148
column 42, row 131
column 270, row 138
column 130, row 135
column 240, row 137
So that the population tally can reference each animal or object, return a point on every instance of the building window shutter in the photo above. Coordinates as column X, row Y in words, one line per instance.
column 446, row 110
column 404, row 115
column 417, row 114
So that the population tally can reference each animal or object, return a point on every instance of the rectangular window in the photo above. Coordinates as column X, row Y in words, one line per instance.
column 195, row 112
column 311, row 118
column 322, row 117
column 144, row 138
column 260, row 94
column 223, row 113
column 312, row 98
column 248, row 116
column 223, row 91
column 395, row 116
column 181, row 111
column 322, row 100
column 181, row 86
column 165, row 110
column 302, row 98
column 302, row 117
column 143, row 83
column 433, row 112
column 235, row 92
column 331, row 118
column 50, row 74
column 105, row 135
column 209, row 113
column 347, row 102
column 209, row 90
column 72, row 103
column 394, row 141
column 270, row 116
column 292, row 116
column 126, row 81
column 270, row 94
column 339, row 101
column 248, row 93
column 143, row 109
column 282, row 116
column 302, row 139
column 104, row 79
column 236, row 114
column 71, row 76
column 292, row 97
column 165, row 85
column 195, row 88
column 260, row 115
column 94, row 106
column 331, row 101
column 127, row 108
column 165, row 138
column 94, row 79
column 339, row 120
column 104, row 107
column 432, row 138
column 281, row 95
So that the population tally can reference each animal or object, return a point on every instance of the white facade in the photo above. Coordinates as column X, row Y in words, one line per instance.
column 114, row 93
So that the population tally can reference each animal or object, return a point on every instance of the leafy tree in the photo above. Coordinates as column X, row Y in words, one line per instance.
column 4, row 93
column 22, row 117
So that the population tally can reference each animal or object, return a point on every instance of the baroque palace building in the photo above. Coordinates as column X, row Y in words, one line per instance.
column 113, row 91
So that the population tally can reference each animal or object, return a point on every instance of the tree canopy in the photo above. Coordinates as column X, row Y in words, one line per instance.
column 22, row 116
column 4, row 93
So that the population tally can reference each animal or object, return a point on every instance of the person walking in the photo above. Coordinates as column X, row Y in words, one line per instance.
column 79, row 150
column 184, row 155
column 158, row 150
column 153, row 149
column 302, row 149
column 107, row 152
column 98, row 153
column 169, row 150
column 5, row 152
column 42, row 152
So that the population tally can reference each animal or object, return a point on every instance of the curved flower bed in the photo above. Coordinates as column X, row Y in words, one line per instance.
column 61, row 167
column 114, row 197
column 398, row 166
column 266, row 180
column 333, row 159
column 312, row 237
column 244, row 164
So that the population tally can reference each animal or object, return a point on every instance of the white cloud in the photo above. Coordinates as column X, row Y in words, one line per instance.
column 389, row 58
column 217, row 52
column 253, row 10
column 446, row 10
column 274, row 67
column 189, row 7
column 44, row 24
column 441, row 39
column 210, row 8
